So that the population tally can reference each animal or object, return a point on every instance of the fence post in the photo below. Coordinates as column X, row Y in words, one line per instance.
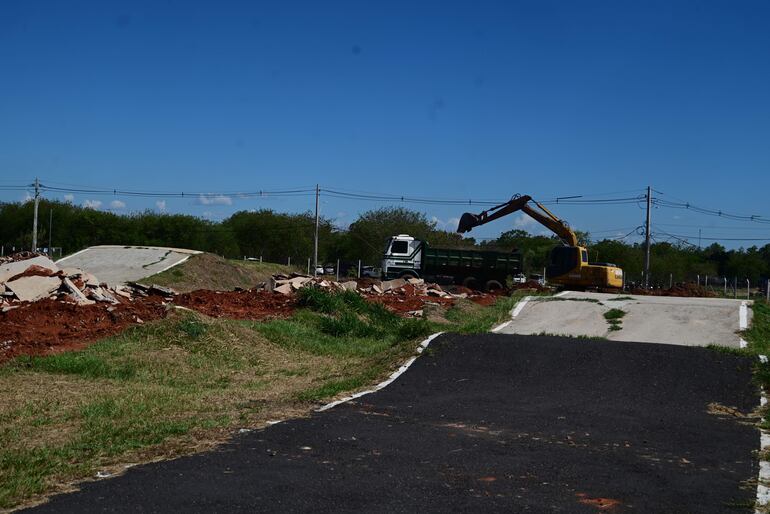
column 735, row 287
column 748, row 292
column 359, row 268
column 260, row 258
column 308, row 265
column 725, row 286
column 670, row 280
column 338, row 270
column 289, row 261
column 697, row 279
column 767, row 289
column 707, row 281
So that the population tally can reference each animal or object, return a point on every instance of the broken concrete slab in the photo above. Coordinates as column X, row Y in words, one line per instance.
column 350, row 285
column 392, row 284
column 11, row 269
column 76, row 293
column 29, row 289
column 283, row 289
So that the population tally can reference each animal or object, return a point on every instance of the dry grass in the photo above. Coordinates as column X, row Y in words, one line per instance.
column 209, row 271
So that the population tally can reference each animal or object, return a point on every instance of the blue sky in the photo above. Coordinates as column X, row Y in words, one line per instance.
column 435, row 99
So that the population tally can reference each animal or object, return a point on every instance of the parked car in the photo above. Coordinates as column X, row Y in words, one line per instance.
column 520, row 278
column 371, row 272
column 329, row 270
column 319, row 270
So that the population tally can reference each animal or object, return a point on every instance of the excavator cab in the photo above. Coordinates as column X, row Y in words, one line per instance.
column 563, row 260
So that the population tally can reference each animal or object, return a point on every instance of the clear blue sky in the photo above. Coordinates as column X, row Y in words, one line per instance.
column 439, row 99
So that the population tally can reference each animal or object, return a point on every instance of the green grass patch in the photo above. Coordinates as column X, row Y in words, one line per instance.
column 615, row 319
column 619, row 299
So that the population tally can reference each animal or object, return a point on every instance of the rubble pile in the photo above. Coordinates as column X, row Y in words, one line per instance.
column 31, row 278
column 405, row 296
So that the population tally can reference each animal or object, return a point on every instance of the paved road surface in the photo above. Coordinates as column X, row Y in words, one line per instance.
column 490, row 423
column 120, row 264
column 649, row 319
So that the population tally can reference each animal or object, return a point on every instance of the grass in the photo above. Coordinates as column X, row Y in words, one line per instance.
column 184, row 383
column 208, row 271
column 615, row 319
column 619, row 299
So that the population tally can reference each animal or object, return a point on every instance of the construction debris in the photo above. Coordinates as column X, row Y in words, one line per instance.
column 38, row 277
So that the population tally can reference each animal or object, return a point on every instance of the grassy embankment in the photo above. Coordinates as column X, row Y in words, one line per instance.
column 209, row 271
column 184, row 383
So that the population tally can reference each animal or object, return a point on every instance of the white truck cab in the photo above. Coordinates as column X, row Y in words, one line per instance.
column 402, row 256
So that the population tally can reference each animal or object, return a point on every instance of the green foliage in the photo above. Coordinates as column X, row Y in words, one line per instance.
column 276, row 236
column 77, row 363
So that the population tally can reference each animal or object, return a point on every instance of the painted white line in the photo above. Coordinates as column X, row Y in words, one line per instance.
column 743, row 316
column 520, row 306
column 501, row 326
column 562, row 293
column 743, row 322
column 386, row 382
column 763, row 482
column 69, row 256
column 172, row 265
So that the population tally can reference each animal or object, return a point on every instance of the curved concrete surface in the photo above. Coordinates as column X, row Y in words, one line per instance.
column 119, row 264
column 648, row 319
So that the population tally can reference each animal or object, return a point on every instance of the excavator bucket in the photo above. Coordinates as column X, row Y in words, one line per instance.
column 467, row 222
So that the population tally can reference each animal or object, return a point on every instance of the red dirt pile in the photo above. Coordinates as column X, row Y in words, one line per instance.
column 251, row 304
column 50, row 326
column 685, row 290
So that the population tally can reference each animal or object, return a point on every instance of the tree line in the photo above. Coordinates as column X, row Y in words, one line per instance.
column 276, row 236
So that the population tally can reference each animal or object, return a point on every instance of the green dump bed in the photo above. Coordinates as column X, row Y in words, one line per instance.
column 477, row 264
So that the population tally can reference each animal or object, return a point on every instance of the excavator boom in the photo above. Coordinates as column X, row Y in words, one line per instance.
column 520, row 203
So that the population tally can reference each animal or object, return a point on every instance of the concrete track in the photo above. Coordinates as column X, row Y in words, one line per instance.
column 648, row 319
column 120, row 264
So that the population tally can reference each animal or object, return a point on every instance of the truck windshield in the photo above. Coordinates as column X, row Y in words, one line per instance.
column 399, row 247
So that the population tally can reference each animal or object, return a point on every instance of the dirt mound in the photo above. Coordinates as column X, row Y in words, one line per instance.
column 49, row 326
column 250, row 304
column 685, row 290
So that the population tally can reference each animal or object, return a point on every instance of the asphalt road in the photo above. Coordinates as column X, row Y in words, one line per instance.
column 120, row 264
column 648, row 319
column 487, row 423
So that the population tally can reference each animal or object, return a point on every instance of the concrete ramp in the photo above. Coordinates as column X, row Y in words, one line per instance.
column 647, row 319
column 120, row 264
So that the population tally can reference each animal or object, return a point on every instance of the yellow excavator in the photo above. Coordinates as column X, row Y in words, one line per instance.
column 568, row 266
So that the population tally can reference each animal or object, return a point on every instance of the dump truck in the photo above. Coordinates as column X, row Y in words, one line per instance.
column 406, row 256
column 568, row 266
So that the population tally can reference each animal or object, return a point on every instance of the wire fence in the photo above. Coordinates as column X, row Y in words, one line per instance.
column 702, row 285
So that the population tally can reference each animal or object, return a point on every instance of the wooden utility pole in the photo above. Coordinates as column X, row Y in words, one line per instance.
column 647, row 240
column 34, row 218
column 315, row 241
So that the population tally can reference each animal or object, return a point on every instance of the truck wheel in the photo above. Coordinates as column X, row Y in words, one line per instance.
column 493, row 285
column 471, row 283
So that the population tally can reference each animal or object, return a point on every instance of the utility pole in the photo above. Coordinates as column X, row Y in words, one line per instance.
column 315, row 242
column 647, row 240
column 34, row 219
column 50, row 231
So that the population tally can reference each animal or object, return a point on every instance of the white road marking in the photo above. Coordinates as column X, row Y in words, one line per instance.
column 520, row 306
column 562, row 293
column 763, row 483
column 389, row 380
column 743, row 317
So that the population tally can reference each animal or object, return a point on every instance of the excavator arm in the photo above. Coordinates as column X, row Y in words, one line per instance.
column 520, row 203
